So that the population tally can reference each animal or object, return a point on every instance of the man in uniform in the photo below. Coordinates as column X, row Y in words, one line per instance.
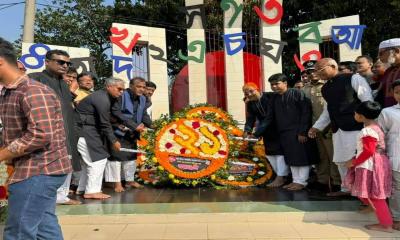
column 327, row 172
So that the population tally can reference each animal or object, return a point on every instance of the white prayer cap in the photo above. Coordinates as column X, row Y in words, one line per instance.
column 394, row 42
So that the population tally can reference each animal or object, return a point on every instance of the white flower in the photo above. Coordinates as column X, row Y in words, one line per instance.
column 231, row 178
column 255, row 159
column 261, row 172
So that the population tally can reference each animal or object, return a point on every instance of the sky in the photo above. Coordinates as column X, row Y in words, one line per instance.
column 12, row 18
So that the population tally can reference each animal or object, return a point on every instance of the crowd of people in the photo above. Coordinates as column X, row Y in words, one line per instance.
column 59, row 132
column 342, row 122
column 61, row 136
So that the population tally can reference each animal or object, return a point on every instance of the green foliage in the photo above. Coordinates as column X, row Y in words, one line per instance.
column 3, row 214
column 77, row 23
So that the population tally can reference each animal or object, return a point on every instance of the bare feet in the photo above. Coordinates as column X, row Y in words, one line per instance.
column 396, row 225
column 99, row 196
column 378, row 227
column 288, row 185
column 365, row 209
column 278, row 182
column 72, row 202
column 296, row 187
column 134, row 184
column 338, row 194
column 118, row 187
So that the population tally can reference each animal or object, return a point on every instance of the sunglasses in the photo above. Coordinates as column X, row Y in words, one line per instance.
column 62, row 62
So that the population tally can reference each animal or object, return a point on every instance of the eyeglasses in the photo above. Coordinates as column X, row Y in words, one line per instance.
column 322, row 69
column 62, row 62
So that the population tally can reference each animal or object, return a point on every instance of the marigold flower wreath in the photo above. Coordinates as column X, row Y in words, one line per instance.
column 196, row 146
column 5, row 172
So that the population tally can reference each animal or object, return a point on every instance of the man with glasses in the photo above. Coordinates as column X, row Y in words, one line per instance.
column 57, row 63
column 256, row 111
column 389, row 53
column 328, row 178
column 96, row 135
column 342, row 93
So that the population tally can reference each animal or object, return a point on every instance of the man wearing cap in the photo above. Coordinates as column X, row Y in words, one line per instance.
column 389, row 52
column 327, row 172
column 342, row 93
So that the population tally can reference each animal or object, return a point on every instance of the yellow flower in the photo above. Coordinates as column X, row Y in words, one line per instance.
column 171, row 176
column 231, row 178
column 194, row 183
column 231, row 142
column 225, row 166
column 213, row 177
column 176, row 119
column 161, row 168
column 176, row 181
column 261, row 164
column 154, row 159
column 249, row 179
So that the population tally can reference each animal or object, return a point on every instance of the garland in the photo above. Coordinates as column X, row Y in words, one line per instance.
column 196, row 147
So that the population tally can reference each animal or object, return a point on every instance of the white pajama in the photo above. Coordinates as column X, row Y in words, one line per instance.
column 63, row 191
column 278, row 164
column 300, row 174
column 114, row 170
column 92, row 173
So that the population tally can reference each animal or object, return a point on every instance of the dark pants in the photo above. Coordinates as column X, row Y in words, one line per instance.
column 31, row 209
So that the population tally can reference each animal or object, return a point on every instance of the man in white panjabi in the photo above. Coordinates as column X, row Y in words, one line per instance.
column 342, row 93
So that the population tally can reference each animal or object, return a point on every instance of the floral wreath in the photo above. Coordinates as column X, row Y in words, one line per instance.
column 5, row 172
column 197, row 146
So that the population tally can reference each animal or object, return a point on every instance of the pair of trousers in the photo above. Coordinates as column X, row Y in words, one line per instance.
column 300, row 174
column 279, row 165
column 343, row 171
column 63, row 191
column 75, row 178
column 381, row 210
column 394, row 200
column 326, row 170
column 115, row 170
column 31, row 209
column 92, row 173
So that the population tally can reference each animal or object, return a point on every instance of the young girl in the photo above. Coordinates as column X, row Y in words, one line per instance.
column 370, row 176
column 390, row 123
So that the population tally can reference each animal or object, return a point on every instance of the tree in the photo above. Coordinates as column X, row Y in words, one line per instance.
column 77, row 23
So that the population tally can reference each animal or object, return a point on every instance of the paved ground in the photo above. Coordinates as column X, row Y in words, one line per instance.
column 254, row 213
column 218, row 226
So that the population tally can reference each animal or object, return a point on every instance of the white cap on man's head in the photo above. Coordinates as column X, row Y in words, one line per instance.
column 394, row 42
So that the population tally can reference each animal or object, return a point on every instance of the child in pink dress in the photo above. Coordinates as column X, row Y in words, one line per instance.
column 370, row 177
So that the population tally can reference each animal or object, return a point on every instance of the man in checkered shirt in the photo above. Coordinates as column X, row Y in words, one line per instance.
column 34, row 144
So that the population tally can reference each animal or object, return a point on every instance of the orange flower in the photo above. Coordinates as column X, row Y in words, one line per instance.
column 215, row 162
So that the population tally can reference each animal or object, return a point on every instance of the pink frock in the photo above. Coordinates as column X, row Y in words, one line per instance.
column 373, row 178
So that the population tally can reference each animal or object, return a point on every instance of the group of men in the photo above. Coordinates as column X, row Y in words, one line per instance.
column 313, row 123
column 54, row 125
